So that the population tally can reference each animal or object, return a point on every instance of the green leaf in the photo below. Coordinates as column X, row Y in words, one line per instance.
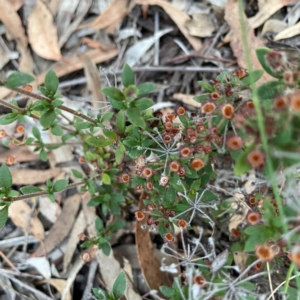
column 105, row 178
column 201, row 98
column 251, row 78
column 99, row 141
column 145, row 88
column 30, row 189
column 144, row 103
column 47, row 118
column 109, row 133
column 3, row 216
column 208, row 197
column 207, row 87
column 106, row 249
column 166, row 291
column 18, row 79
column 119, row 156
column 76, row 173
column 120, row 121
column 29, row 140
column 134, row 116
column 51, row 82
column 56, row 130
column 8, row 119
column 5, row 177
column 261, row 55
column 99, row 224
column 82, row 125
column 107, row 116
column 36, row 133
column 59, row 185
column 51, row 197
column 119, row 286
column 56, row 103
column 127, row 76
column 113, row 93
column 119, row 105
column 269, row 90
column 100, row 294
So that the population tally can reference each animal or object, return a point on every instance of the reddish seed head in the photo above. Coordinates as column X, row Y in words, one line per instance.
column 256, row 158
column 87, row 257
column 174, row 130
column 288, row 77
column 160, row 207
column 81, row 160
column 253, row 218
column 264, row 253
column 240, row 73
column 250, row 104
column 200, row 280
column 164, row 180
column 147, row 172
column 150, row 221
column 214, row 96
column 168, row 125
column 185, row 151
column 258, row 267
column 181, row 172
column 227, row 111
column 234, row 143
column 207, row 149
column 199, row 149
column 125, row 178
column 174, row 166
column 181, row 223
column 27, row 87
column 275, row 59
column 169, row 237
column 208, row 108
column 171, row 116
column 228, row 91
column 167, row 138
column 2, row 133
column 191, row 132
column 10, row 160
column 149, row 186
column 235, row 233
column 180, row 111
column 200, row 128
column 139, row 215
column 280, row 103
column 151, row 206
column 197, row 164
column 252, row 201
column 294, row 255
column 295, row 101
column 20, row 128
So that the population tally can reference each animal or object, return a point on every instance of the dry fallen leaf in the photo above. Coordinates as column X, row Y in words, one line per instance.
column 179, row 17
column 288, row 32
column 42, row 33
column 187, row 99
column 32, row 177
column 149, row 263
column 79, row 227
column 266, row 10
column 240, row 259
column 200, row 25
column 60, row 285
column 236, row 38
column 12, row 21
column 112, row 15
column 4, row 58
column 21, row 215
column 61, row 228
column 96, row 44
column 77, row 62
column 273, row 26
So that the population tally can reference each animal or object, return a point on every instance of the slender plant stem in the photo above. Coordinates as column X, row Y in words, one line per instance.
column 23, row 112
column 288, row 277
column 42, row 193
column 58, row 144
column 62, row 107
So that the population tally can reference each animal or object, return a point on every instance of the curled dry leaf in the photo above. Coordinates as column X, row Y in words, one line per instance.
column 288, row 32
column 61, row 228
column 266, row 10
column 179, row 17
column 187, row 99
column 77, row 62
column 112, row 15
column 236, row 38
column 60, row 285
column 200, row 25
column 21, row 215
column 12, row 21
column 42, row 33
